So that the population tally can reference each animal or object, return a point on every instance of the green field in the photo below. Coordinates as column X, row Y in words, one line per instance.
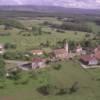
column 25, row 43
column 70, row 72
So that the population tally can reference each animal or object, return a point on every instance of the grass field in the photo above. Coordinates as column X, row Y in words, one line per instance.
column 25, row 43
column 89, row 84
column 95, row 28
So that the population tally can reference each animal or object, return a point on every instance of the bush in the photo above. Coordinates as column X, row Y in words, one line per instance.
column 17, row 56
column 57, row 67
column 74, row 88
column 12, row 23
column 62, row 92
column 2, row 84
column 10, row 46
column 44, row 90
column 14, row 75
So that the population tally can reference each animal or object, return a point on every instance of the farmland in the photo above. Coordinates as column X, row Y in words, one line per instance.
column 70, row 72
column 25, row 43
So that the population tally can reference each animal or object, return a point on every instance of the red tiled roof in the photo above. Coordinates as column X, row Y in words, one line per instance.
column 37, row 51
column 60, row 51
column 97, row 55
column 38, row 60
column 98, row 47
column 87, row 58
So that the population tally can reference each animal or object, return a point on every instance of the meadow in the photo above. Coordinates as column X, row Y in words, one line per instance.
column 25, row 43
column 70, row 72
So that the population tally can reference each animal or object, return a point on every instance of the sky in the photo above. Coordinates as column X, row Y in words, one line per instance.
column 63, row 3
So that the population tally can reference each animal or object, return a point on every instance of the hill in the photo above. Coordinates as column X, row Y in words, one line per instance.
column 49, row 9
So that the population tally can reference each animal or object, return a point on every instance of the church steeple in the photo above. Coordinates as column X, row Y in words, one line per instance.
column 66, row 47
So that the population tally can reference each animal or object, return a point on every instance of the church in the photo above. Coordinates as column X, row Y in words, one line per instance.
column 61, row 53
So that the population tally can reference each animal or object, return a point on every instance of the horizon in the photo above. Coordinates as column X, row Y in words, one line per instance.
column 50, row 6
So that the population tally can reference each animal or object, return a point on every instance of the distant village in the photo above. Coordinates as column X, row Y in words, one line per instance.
column 87, row 58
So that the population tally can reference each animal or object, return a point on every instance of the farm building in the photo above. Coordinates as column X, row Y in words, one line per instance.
column 97, row 55
column 61, row 53
column 79, row 50
column 35, row 64
column 97, row 49
column 1, row 49
column 38, row 63
column 37, row 52
column 93, row 58
column 89, row 60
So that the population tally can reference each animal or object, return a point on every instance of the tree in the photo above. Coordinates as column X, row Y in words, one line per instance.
column 88, row 43
column 45, row 23
column 44, row 90
column 15, row 75
column 10, row 46
column 76, row 33
column 40, row 30
column 9, row 23
column 75, row 27
column 34, row 29
column 57, row 67
column 2, row 72
column 62, row 92
column 33, row 74
column 47, row 43
column 74, row 88
column 72, row 44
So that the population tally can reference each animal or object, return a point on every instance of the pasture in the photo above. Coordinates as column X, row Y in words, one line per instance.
column 25, row 40
column 70, row 72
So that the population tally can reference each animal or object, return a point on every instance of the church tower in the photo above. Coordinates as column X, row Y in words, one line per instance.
column 66, row 47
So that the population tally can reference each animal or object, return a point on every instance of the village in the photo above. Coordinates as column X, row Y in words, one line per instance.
column 86, row 58
column 51, row 54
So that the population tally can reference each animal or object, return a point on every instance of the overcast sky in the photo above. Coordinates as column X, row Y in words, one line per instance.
column 63, row 3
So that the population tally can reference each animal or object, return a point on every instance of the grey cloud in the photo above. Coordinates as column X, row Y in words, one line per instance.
column 63, row 3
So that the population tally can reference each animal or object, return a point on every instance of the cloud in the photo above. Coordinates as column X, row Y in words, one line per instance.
column 63, row 3
column 19, row 2
column 97, row 1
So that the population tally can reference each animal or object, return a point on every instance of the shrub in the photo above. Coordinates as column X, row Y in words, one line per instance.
column 62, row 92
column 44, row 90
column 57, row 67
column 73, row 88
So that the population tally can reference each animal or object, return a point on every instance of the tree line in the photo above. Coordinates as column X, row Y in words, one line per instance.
column 8, row 23
column 73, row 26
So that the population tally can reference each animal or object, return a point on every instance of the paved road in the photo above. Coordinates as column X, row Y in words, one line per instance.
column 16, row 62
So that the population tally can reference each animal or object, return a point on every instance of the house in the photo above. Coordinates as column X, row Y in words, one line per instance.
column 97, row 55
column 89, row 60
column 97, row 49
column 38, row 63
column 1, row 48
column 79, row 50
column 61, row 53
column 37, row 52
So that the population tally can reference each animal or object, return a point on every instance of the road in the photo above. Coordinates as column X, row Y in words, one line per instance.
column 16, row 62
